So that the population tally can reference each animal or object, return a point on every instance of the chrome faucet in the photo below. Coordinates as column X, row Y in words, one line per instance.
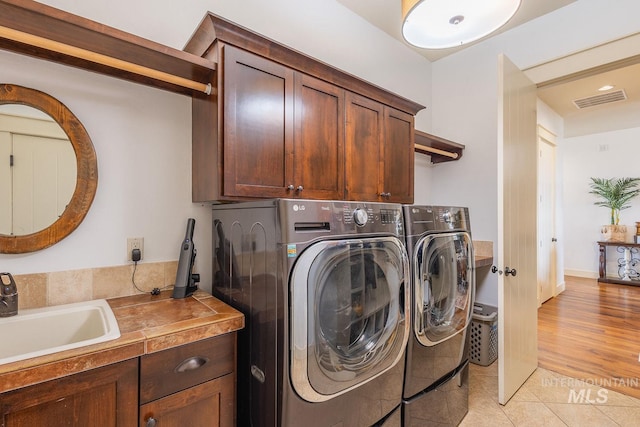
column 8, row 296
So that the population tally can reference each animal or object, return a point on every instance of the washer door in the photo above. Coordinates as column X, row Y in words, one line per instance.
column 347, row 314
column 444, row 286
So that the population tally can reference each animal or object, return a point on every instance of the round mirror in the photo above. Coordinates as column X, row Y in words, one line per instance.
column 49, row 179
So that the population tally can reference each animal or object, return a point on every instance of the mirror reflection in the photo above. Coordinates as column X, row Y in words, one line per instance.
column 50, row 172
column 38, row 170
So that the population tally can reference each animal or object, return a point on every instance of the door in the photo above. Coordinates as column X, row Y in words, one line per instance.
column 517, row 224
column 444, row 288
column 398, row 156
column 44, row 179
column 347, row 314
column 363, row 156
column 258, row 126
column 319, row 139
column 547, row 247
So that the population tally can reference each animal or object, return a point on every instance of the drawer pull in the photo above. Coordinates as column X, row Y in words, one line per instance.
column 257, row 373
column 191, row 364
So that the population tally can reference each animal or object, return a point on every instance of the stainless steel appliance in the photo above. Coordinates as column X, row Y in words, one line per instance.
column 322, row 287
column 436, row 389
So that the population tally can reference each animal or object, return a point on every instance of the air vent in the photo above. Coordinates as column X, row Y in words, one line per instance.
column 605, row 98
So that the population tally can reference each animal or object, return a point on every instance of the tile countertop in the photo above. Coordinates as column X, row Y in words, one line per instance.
column 147, row 323
column 483, row 251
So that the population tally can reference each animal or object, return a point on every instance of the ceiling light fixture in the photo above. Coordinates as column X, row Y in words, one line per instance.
column 606, row 87
column 440, row 24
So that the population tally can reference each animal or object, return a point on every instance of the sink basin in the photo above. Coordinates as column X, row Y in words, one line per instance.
column 41, row 331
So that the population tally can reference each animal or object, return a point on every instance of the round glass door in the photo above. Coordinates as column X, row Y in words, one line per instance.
column 352, row 327
column 444, row 286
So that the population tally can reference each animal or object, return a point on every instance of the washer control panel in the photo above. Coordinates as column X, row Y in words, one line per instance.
column 360, row 216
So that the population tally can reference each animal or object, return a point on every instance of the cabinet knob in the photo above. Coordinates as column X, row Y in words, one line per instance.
column 290, row 187
column 386, row 195
column 151, row 422
column 300, row 188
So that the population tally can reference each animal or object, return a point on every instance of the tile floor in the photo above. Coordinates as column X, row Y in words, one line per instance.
column 544, row 401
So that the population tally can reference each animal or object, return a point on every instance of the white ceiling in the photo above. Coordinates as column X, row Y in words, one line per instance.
column 386, row 15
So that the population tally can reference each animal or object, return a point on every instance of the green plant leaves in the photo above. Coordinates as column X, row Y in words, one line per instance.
column 616, row 194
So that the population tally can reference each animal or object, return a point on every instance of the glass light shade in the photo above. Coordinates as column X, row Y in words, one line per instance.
column 440, row 24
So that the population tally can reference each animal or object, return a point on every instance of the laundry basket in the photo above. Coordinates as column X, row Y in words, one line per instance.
column 484, row 334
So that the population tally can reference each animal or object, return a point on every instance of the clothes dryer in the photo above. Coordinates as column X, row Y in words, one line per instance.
column 322, row 288
column 436, row 389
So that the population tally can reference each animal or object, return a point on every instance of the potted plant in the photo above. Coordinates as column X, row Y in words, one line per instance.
column 615, row 195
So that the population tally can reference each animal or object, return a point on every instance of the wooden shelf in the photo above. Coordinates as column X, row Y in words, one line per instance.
column 146, row 62
column 423, row 139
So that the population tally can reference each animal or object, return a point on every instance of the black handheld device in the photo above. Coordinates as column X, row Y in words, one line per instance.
column 186, row 281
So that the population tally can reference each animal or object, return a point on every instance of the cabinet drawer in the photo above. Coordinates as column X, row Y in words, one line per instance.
column 182, row 367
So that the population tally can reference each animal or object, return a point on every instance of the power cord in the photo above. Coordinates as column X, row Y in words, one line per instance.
column 135, row 257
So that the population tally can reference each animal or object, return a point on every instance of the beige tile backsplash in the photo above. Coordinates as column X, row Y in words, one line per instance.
column 64, row 287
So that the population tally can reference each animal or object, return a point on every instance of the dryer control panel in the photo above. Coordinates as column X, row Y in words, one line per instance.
column 305, row 218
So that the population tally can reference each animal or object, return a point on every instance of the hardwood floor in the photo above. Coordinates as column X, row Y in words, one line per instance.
column 592, row 332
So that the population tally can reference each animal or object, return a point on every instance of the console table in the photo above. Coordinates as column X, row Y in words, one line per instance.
column 628, row 263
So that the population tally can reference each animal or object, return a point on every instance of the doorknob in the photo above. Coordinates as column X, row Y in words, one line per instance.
column 553, row 239
column 508, row 271
column 494, row 269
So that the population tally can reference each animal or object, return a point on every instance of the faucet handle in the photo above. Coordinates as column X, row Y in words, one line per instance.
column 8, row 295
column 8, row 287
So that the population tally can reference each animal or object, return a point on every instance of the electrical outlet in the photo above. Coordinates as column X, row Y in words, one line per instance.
column 135, row 243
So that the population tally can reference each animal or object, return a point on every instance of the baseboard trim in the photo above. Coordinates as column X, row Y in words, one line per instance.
column 582, row 273
column 560, row 288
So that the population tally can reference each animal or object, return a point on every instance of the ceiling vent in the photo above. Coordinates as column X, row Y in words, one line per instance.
column 605, row 98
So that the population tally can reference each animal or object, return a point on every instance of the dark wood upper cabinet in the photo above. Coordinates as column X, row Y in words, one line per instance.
column 364, row 162
column 319, row 139
column 398, row 156
column 258, row 125
column 286, row 125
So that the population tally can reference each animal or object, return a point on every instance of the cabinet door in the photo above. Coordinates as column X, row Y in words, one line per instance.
column 363, row 157
column 319, row 139
column 207, row 404
column 257, row 125
column 398, row 156
column 106, row 396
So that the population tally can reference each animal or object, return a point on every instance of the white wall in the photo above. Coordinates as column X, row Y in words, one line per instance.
column 465, row 102
column 142, row 139
column 142, row 135
column 603, row 155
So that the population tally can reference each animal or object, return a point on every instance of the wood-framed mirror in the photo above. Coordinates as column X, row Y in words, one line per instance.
column 72, row 211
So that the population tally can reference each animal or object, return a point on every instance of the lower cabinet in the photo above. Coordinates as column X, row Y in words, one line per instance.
column 104, row 396
column 208, row 404
column 190, row 385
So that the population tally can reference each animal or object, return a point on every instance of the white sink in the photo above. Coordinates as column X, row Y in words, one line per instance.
column 41, row 331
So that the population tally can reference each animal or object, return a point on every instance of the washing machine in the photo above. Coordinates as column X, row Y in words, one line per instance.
column 436, row 386
column 324, row 289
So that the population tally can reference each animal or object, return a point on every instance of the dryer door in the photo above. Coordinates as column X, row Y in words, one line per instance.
column 444, row 286
column 347, row 314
